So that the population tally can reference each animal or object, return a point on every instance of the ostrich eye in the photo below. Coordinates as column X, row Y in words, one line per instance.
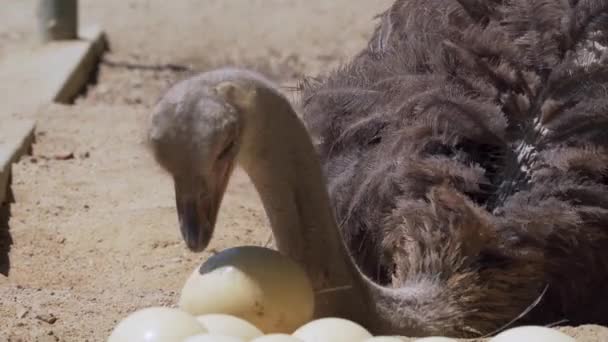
column 226, row 151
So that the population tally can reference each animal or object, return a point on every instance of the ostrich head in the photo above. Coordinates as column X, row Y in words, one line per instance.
column 195, row 135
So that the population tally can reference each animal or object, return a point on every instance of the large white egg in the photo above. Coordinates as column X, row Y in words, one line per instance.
column 156, row 324
column 384, row 339
column 257, row 284
column 276, row 338
column 223, row 324
column 332, row 329
column 532, row 334
column 435, row 339
column 213, row 338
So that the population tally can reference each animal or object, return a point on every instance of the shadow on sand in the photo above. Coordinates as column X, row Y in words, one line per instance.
column 5, row 236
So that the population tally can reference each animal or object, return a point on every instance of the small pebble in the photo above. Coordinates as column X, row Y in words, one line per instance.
column 64, row 156
column 47, row 338
column 48, row 318
column 22, row 311
column 102, row 89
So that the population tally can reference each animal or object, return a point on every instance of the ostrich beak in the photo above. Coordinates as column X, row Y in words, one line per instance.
column 198, row 205
column 196, row 221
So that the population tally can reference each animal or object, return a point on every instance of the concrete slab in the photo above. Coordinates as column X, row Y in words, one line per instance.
column 52, row 72
column 16, row 137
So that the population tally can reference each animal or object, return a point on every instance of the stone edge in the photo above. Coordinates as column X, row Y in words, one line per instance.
column 73, row 83
column 11, row 151
column 80, row 73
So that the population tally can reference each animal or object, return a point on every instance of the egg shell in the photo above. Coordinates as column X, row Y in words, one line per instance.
column 276, row 338
column 156, row 324
column 532, row 333
column 332, row 329
column 257, row 284
column 385, row 339
column 213, row 338
column 228, row 325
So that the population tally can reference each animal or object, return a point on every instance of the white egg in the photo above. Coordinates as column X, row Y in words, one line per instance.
column 213, row 338
column 223, row 324
column 385, row 339
column 276, row 338
column 257, row 284
column 156, row 324
column 532, row 334
column 435, row 339
column 332, row 329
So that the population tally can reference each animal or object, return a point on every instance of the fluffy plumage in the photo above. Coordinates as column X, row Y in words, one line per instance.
column 466, row 148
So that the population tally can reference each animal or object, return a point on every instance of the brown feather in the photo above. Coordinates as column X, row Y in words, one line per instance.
column 467, row 147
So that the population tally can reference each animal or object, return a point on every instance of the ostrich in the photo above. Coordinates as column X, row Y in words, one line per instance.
column 451, row 179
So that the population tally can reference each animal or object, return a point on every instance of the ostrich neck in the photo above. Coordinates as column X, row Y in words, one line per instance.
column 278, row 155
column 280, row 159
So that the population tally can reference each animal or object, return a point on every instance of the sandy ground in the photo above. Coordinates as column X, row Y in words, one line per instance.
column 93, row 224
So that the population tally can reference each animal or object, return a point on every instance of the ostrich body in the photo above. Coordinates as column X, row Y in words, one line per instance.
column 459, row 171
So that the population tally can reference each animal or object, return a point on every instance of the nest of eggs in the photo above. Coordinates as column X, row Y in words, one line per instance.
column 257, row 294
